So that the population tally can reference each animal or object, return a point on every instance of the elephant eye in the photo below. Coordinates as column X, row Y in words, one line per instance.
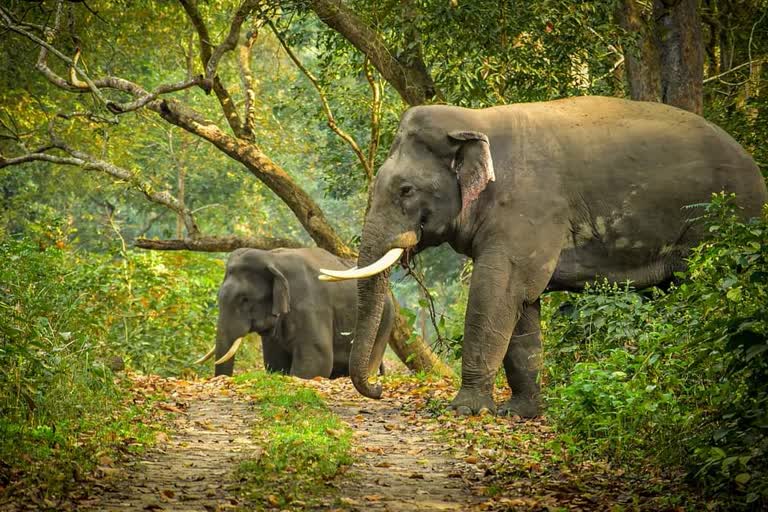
column 406, row 190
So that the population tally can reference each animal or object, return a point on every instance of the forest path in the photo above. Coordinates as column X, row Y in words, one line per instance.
column 192, row 469
column 409, row 454
column 399, row 465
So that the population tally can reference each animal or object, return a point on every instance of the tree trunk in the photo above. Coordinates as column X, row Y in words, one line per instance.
column 642, row 58
column 680, row 53
column 667, row 62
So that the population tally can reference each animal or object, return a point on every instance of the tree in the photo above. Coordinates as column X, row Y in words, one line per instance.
column 117, row 96
column 666, row 63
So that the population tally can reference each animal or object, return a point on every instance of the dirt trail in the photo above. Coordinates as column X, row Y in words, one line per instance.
column 192, row 470
column 399, row 467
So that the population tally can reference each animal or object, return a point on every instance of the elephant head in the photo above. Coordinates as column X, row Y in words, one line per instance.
column 253, row 298
column 436, row 169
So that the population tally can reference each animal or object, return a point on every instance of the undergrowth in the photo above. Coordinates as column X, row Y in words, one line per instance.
column 678, row 376
column 68, row 321
column 304, row 445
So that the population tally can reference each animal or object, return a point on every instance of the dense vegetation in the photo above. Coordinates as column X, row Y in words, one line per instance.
column 679, row 375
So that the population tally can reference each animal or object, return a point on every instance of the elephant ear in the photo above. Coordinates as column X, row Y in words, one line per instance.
column 281, row 295
column 472, row 164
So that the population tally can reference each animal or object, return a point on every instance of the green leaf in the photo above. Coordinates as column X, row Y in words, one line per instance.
column 742, row 478
column 734, row 294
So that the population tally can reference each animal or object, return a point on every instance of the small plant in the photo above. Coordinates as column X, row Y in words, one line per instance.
column 681, row 375
column 304, row 444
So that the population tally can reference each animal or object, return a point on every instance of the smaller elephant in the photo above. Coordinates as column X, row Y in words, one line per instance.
column 306, row 325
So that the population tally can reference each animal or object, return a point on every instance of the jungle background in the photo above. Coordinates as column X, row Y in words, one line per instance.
column 140, row 141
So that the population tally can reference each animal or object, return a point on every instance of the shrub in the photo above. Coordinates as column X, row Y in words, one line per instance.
column 680, row 375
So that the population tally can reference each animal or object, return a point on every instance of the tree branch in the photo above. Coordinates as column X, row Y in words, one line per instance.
column 376, row 104
column 248, row 82
column 93, row 86
column 307, row 211
column 89, row 163
column 225, row 100
column 260, row 165
column 326, row 106
column 229, row 44
column 410, row 79
column 216, row 244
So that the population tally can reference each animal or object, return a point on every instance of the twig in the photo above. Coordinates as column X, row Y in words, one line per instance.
column 326, row 106
column 419, row 278
column 735, row 68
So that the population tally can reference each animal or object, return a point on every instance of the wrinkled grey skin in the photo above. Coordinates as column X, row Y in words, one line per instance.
column 306, row 325
column 584, row 188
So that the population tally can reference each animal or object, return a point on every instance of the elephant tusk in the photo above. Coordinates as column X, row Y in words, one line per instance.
column 206, row 356
column 232, row 351
column 334, row 279
column 330, row 279
column 386, row 261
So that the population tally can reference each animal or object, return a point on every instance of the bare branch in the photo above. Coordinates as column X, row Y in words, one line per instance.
column 326, row 106
column 89, row 163
column 216, row 244
column 735, row 68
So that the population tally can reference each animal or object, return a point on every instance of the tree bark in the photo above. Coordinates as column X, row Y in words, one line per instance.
column 681, row 53
column 642, row 57
column 216, row 244
column 666, row 64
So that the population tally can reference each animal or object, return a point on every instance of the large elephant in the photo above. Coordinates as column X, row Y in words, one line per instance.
column 306, row 326
column 542, row 196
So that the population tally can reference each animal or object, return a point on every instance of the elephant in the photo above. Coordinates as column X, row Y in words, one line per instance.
column 306, row 326
column 542, row 197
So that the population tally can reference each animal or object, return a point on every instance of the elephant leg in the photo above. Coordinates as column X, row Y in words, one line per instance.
column 313, row 350
column 495, row 299
column 522, row 364
column 276, row 358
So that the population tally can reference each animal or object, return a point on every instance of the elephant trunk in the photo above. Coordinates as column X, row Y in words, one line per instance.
column 223, row 344
column 371, row 297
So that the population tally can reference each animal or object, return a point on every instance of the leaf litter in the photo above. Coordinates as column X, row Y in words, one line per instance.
column 410, row 454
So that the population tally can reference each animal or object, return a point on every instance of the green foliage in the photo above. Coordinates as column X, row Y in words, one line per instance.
column 65, row 316
column 682, row 375
column 305, row 444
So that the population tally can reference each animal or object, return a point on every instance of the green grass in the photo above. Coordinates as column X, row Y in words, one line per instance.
column 50, row 454
column 304, row 445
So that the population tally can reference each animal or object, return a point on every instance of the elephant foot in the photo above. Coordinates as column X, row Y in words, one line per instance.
column 472, row 401
column 519, row 406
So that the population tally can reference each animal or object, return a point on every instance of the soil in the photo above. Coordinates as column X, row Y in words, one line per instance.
column 398, row 467
column 190, row 469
